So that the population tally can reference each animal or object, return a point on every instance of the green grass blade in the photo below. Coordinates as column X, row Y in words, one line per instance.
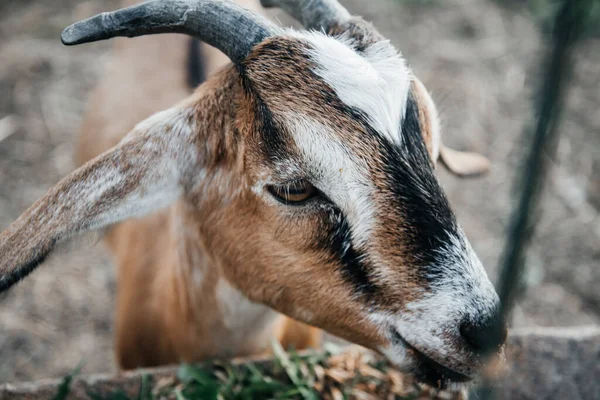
column 65, row 386
column 146, row 388
column 179, row 395
column 292, row 370
column 188, row 373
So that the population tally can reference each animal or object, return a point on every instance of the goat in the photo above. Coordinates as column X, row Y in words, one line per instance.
column 295, row 186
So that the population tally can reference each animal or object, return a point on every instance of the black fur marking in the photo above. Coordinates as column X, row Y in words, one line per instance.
column 273, row 144
column 415, row 191
column 427, row 217
column 416, row 200
column 336, row 238
column 411, row 187
column 196, row 71
column 21, row 272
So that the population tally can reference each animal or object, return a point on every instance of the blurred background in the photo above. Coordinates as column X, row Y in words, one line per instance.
column 478, row 58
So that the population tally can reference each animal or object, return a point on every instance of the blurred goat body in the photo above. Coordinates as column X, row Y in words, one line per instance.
column 172, row 302
column 300, row 180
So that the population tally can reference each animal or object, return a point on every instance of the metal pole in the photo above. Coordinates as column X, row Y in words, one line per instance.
column 569, row 24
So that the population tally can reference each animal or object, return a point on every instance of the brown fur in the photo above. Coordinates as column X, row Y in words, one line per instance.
column 157, row 308
column 201, row 278
column 160, row 319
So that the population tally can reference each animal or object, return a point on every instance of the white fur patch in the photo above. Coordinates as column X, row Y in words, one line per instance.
column 343, row 177
column 159, row 167
column 464, row 291
column 375, row 82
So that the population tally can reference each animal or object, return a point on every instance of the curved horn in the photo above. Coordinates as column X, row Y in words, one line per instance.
column 220, row 23
column 312, row 14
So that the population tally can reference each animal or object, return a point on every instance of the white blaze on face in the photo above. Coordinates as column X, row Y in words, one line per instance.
column 375, row 82
column 337, row 173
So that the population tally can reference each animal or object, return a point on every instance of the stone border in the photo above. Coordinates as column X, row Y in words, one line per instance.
column 552, row 363
column 543, row 363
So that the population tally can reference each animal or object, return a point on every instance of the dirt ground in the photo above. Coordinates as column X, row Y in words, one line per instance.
column 478, row 60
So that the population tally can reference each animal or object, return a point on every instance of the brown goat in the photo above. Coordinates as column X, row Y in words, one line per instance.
column 297, row 181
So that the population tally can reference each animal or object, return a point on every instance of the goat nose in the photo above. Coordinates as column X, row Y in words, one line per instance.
column 485, row 337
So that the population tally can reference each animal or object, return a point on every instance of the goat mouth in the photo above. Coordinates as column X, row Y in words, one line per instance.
column 429, row 371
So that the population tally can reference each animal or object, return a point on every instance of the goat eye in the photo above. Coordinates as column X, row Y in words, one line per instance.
column 293, row 193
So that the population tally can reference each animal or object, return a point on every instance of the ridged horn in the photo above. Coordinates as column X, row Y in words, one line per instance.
column 220, row 23
column 312, row 14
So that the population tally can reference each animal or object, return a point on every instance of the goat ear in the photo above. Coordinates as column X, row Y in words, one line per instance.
column 463, row 163
column 145, row 172
column 460, row 163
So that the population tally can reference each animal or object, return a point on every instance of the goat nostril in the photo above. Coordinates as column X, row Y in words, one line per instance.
column 484, row 337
